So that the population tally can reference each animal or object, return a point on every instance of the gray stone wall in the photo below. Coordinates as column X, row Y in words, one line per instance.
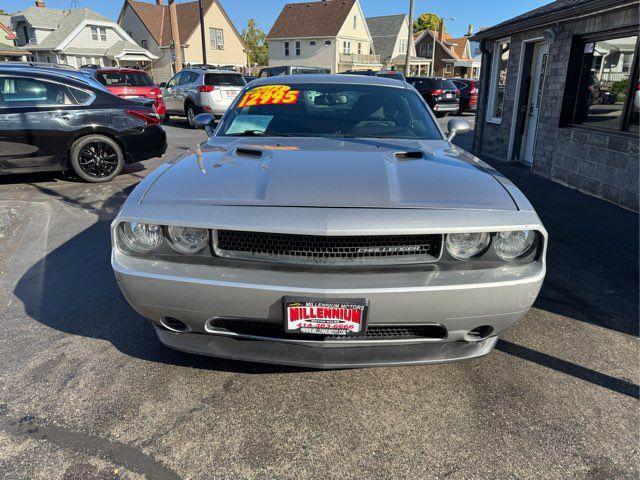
column 601, row 164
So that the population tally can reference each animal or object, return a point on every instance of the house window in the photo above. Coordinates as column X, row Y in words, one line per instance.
column 143, row 43
column 286, row 49
column 312, row 43
column 403, row 45
column 602, row 84
column 346, row 46
column 355, row 21
column 447, row 68
column 298, row 49
column 216, row 39
column 498, row 83
column 327, row 42
column 98, row 34
column 359, row 48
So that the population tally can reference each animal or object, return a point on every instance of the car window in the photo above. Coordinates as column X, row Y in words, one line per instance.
column 124, row 79
column 184, row 78
column 330, row 110
column 174, row 81
column 224, row 80
column 30, row 92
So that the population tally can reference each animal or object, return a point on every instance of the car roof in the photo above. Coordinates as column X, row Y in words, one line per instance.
column 330, row 78
column 119, row 69
column 211, row 70
column 74, row 76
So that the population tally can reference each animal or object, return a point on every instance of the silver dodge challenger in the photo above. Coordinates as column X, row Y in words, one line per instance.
column 328, row 222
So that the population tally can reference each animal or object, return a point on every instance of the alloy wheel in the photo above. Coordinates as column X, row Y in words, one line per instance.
column 98, row 159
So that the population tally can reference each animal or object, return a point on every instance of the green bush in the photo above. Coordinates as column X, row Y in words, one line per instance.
column 620, row 87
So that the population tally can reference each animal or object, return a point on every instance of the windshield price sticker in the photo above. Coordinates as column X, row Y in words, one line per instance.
column 269, row 95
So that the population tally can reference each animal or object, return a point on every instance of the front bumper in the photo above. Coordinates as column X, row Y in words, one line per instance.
column 316, row 355
column 458, row 300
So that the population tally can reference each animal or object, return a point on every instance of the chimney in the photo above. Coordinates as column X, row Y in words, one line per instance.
column 40, row 3
column 441, row 30
column 175, row 35
column 469, row 30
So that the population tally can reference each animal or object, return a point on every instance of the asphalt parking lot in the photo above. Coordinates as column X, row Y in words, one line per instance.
column 87, row 392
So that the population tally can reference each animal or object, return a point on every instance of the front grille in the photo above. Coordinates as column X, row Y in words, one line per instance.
column 265, row 328
column 328, row 250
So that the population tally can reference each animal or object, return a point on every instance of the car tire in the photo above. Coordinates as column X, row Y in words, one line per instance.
column 190, row 112
column 167, row 118
column 96, row 158
column 440, row 114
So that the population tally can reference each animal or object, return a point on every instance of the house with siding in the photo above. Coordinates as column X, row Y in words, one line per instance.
column 559, row 93
column 331, row 34
column 161, row 27
column 454, row 57
column 390, row 40
column 8, row 49
column 76, row 37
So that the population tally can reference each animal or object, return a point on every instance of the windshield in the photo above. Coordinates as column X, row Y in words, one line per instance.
column 224, row 79
column 124, row 79
column 330, row 110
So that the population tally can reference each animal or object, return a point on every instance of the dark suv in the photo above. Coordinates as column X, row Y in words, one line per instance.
column 441, row 94
column 468, row 94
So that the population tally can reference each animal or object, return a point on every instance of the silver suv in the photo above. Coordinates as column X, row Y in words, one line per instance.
column 197, row 90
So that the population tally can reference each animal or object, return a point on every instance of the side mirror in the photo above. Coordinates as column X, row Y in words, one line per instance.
column 162, row 85
column 204, row 121
column 456, row 126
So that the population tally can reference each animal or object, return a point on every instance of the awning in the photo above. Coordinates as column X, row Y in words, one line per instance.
column 132, row 57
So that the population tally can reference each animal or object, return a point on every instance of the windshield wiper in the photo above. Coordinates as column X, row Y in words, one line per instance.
column 258, row 133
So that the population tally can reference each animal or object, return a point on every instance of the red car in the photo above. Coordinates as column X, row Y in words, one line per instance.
column 130, row 83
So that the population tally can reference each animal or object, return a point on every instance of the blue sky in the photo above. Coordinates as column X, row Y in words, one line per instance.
column 477, row 12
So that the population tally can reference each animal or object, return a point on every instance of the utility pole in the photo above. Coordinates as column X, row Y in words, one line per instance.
column 407, row 61
column 204, row 40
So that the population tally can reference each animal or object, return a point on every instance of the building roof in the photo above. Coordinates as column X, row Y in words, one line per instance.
column 384, row 32
column 5, row 28
column 551, row 11
column 311, row 19
column 446, row 45
column 458, row 47
column 62, row 22
column 12, row 50
column 156, row 18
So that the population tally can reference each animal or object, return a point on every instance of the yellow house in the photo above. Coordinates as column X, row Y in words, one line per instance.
column 161, row 27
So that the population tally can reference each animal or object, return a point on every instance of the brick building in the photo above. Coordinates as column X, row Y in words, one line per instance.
column 559, row 92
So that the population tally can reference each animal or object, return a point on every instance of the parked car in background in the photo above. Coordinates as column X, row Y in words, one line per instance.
column 468, row 94
column 378, row 73
column 198, row 90
column 129, row 83
column 291, row 70
column 328, row 223
column 54, row 66
column 441, row 94
column 248, row 78
column 59, row 120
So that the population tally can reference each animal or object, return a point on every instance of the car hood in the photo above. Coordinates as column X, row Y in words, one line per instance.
column 313, row 172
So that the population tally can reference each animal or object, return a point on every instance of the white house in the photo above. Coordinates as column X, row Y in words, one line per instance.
column 332, row 34
column 77, row 36
column 390, row 35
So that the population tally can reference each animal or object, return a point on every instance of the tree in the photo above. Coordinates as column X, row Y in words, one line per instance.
column 255, row 40
column 2, row 12
column 426, row 21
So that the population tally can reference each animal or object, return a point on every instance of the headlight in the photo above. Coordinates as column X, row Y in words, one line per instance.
column 464, row 246
column 140, row 237
column 187, row 239
column 511, row 245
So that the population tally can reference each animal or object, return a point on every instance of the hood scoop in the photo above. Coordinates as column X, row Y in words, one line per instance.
column 248, row 152
column 413, row 155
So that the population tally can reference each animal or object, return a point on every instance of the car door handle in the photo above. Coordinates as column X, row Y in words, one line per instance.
column 64, row 116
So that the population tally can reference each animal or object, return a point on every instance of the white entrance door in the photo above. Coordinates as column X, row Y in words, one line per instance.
column 540, row 65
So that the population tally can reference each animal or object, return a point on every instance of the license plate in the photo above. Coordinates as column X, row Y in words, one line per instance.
column 231, row 94
column 338, row 317
column 448, row 95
